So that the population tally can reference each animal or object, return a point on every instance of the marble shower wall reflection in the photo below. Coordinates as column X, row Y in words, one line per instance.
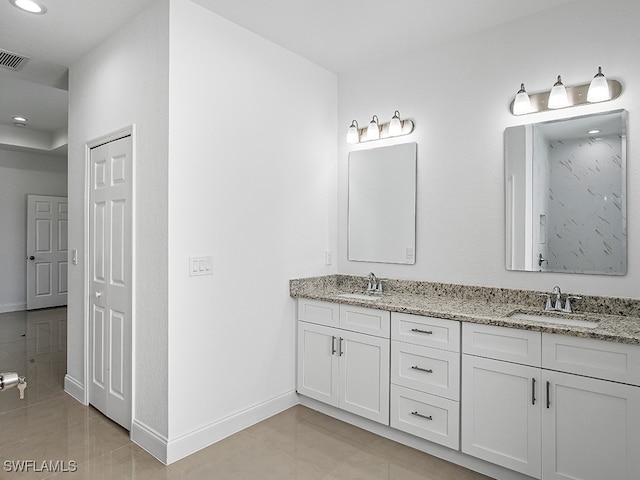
column 584, row 222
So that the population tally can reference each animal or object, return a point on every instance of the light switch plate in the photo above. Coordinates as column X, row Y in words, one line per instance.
column 200, row 266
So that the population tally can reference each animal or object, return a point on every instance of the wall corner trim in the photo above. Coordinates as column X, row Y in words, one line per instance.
column 150, row 440
column 76, row 389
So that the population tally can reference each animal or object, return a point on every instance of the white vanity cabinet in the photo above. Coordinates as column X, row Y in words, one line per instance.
column 501, row 404
column 590, row 426
column 518, row 411
column 425, row 377
column 343, row 357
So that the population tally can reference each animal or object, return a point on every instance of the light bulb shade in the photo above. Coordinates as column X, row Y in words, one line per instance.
column 29, row 6
column 522, row 102
column 558, row 96
column 395, row 126
column 599, row 88
column 353, row 134
column 373, row 130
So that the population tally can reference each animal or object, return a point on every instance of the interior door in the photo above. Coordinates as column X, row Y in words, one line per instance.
column 110, row 289
column 46, row 251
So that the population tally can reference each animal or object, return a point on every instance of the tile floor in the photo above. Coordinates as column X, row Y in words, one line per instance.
column 296, row 444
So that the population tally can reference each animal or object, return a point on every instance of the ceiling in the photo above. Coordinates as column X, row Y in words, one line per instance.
column 339, row 35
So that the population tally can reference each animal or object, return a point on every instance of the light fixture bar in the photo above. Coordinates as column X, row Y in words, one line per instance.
column 407, row 128
column 577, row 96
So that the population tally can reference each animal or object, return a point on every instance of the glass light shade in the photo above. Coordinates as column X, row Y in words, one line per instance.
column 395, row 126
column 29, row 6
column 599, row 88
column 373, row 130
column 353, row 134
column 558, row 96
column 522, row 103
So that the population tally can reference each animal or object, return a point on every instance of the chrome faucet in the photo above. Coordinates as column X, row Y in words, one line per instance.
column 557, row 305
column 375, row 284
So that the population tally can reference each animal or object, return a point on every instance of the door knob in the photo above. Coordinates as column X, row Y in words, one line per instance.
column 31, row 257
column 98, row 294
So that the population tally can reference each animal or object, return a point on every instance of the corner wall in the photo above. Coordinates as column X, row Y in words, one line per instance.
column 123, row 82
column 458, row 94
column 252, row 151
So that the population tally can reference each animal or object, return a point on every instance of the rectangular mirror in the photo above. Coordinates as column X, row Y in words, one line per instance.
column 566, row 195
column 382, row 204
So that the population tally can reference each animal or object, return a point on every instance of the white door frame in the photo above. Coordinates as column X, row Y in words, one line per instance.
column 123, row 132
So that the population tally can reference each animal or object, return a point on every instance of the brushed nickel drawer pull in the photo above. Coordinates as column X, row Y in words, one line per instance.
column 422, row 416
column 426, row 370
column 417, row 330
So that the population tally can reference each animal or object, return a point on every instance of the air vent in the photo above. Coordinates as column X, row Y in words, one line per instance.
column 12, row 61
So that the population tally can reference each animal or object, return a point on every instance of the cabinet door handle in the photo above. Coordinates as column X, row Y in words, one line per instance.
column 417, row 330
column 340, row 351
column 426, row 417
column 333, row 345
column 426, row 370
column 548, row 394
column 533, row 391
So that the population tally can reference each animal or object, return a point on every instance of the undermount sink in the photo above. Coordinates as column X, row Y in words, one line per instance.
column 553, row 319
column 358, row 296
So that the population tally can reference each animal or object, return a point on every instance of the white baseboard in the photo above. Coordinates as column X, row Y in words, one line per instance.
column 189, row 443
column 74, row 388
column 13, row 307
column 152, row 441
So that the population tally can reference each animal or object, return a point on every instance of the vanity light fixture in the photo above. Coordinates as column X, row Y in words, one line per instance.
column 522, row 103
column 353, row 134
column 558, row 95
column 374, row 131
column 600, row 89
column 29, row 6
column 395, row 125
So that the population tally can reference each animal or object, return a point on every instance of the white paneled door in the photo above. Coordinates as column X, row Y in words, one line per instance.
column 110, row 279
column 46, row 251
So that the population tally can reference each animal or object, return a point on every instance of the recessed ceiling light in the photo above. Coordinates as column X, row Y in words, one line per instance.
column 593, row 132
column 29, row 6
column 18, row 124
column 20, row 119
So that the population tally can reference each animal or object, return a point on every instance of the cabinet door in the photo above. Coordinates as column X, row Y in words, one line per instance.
column 591, row 429
column 501, row 413
column 318, row 362
column 364, row 375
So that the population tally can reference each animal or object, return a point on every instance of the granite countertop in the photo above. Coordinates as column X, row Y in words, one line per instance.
column 618, row 319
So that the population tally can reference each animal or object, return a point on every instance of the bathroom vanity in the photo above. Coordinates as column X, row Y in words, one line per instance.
column 483, row 372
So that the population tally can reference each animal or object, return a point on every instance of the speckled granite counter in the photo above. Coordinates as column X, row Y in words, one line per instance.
column 619, row 318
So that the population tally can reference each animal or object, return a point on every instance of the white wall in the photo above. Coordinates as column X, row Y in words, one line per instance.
column 121, row 82
column 252, row 151
column 22, row 173
column 459, row 94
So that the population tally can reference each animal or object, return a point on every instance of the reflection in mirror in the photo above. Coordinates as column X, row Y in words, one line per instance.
column 565, row 195
column 382, row 204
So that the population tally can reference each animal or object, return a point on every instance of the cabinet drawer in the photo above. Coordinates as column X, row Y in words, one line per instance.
column 365, row 320
column 426, row 369
column 316, row 311
column 426, row 416
column 501, row 343
column 427, row 331
column 618, row 362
